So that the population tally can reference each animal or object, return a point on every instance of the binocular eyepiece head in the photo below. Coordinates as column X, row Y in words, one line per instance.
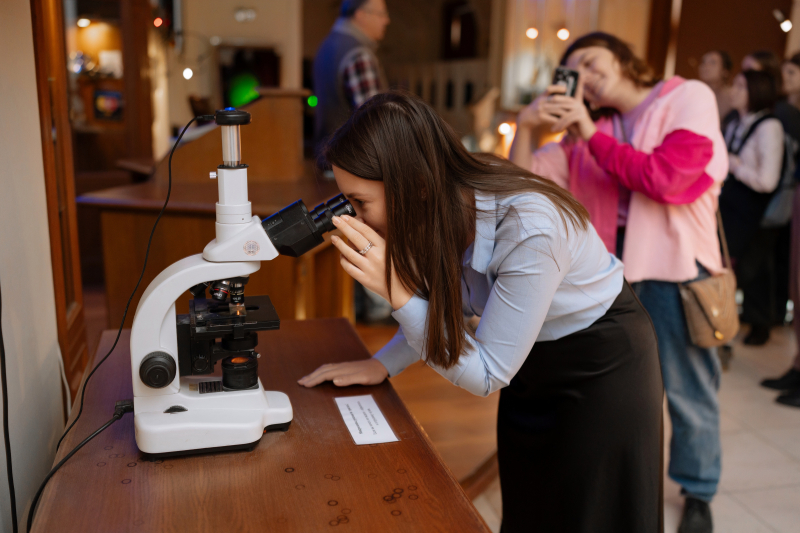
column 294, row 230
column 335, row 207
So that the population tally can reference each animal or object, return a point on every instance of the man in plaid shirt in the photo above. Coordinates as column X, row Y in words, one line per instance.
column 346, row 69
column 361, row 78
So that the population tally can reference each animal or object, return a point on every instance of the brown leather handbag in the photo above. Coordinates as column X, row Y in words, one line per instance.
column 710, row 303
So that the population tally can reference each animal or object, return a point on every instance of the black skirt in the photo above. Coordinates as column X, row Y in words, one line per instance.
column 579, row 430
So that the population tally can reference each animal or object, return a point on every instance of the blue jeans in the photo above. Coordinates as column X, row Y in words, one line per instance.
column 691, row 379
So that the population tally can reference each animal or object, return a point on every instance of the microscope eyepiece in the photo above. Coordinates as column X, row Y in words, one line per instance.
column 294, row 230
column 231, row 117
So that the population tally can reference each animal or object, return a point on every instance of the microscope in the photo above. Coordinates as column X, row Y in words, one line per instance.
column 178, row 408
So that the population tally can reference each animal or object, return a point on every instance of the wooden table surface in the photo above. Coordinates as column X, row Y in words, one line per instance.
column 200, row 198
column 310, row 478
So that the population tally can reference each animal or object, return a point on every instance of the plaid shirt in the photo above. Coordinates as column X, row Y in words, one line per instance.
column 361, row 79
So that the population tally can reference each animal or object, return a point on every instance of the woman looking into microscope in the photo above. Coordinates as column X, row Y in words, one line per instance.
column 444, row 235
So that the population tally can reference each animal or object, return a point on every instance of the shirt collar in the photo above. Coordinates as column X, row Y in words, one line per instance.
column 485, row 229
column 344, row 25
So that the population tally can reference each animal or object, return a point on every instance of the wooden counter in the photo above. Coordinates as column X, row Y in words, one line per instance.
column 311, row 286
column 310, row 478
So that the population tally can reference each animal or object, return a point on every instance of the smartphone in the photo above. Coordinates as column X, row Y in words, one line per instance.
column 568, row 78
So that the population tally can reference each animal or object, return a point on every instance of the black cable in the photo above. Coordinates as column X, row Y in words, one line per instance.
column 9, row 474
column 122, row 407
column 146, row 255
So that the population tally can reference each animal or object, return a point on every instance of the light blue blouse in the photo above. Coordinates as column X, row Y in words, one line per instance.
column 529, row 276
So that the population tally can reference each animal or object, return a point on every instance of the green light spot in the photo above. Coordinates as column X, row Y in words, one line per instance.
column 312, row 101
column 243, row 89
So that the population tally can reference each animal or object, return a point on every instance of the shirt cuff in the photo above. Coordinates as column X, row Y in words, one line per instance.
column 413, row 316
column 601, row 145
column 397, row 359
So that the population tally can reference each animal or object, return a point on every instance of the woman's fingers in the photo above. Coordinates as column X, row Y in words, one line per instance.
column 314, row 376
column 365, row 372
column 556, row 89
column 561, row 99
column 356, row 378
column 363, row 229
column 348, row 253
column 324, row 373
column 566, row 121
column 355, row 236
column 353, row 271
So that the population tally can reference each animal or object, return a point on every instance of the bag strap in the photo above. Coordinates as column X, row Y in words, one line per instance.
column 723, row 241
column 748, row 133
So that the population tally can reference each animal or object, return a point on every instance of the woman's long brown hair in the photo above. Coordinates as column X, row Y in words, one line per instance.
column 430, row 180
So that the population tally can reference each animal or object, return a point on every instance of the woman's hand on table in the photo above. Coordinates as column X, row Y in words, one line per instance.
column 368, row 269
column 364, row 372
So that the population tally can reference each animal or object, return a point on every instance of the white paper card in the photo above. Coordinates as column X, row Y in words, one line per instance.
column 364, row 420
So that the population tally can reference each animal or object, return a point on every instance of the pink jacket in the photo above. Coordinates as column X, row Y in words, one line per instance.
column 674, row 166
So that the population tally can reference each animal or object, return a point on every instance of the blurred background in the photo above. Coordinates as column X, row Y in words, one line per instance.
column 118, row 79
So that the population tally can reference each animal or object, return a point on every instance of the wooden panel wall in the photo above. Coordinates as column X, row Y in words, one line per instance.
column 272, row 144
column 736, row 26
column 311, row 286
column 136, row 19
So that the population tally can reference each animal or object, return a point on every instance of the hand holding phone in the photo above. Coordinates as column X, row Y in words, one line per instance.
column 567, row 78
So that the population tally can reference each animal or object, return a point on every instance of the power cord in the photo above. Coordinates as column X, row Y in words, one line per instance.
column 7, row 439
column 146, row 255
column 121, row 407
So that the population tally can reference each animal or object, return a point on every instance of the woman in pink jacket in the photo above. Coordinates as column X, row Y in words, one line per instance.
column 647, row 158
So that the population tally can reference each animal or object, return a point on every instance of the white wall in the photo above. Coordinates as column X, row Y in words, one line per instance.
column 29, row 322
column 277, row 25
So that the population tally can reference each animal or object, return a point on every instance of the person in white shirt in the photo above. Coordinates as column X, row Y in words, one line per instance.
column 445, row 235
column 755, row 150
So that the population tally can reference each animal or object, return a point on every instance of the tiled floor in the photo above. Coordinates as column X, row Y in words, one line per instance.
column 760, row 486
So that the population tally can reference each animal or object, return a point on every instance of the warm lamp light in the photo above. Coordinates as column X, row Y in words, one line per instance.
column 504, row 128
column 82, row 23
column 563, row 34
column 187, row 73
column 532, row 33
column 158, row 22
column 786, row 25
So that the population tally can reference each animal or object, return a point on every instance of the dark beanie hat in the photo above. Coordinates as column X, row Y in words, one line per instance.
column 349, row 7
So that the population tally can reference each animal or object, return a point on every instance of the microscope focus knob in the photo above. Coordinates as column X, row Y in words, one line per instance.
column 157, row 370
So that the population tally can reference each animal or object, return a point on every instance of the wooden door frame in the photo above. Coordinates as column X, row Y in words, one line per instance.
column 51, row 74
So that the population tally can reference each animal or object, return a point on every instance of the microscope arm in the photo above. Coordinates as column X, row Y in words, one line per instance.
column 154, row 323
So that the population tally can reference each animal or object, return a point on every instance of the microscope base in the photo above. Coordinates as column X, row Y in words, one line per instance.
column 193, row 421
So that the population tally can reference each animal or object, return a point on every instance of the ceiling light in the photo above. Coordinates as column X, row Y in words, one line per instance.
column 786, row 25
column 504, row 128
column 532, row 33
column 245, row 14
column 187, row 73
column 563, row 34
column 82, row 23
